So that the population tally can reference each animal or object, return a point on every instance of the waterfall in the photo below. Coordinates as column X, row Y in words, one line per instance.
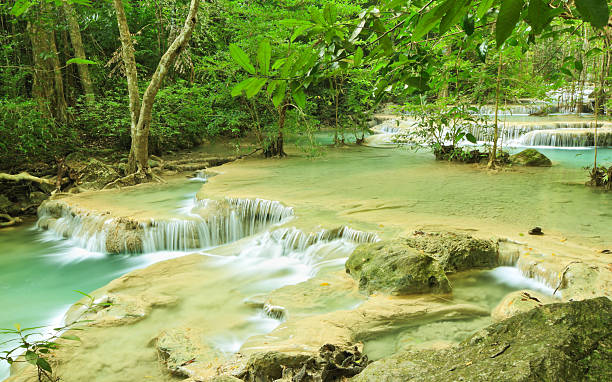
column 208, row 223
column 308, row 247
column 512, row 133
column 88, row 231
column 567, row 138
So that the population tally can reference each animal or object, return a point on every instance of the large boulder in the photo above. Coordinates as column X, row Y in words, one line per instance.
column 557, row 342
column 456, row 251
column 530, row 157
column 394, row 267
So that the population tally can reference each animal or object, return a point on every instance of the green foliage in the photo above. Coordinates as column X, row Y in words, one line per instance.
column 509, row 15
column 442, row 125
column 28, row 136
column 596, row 12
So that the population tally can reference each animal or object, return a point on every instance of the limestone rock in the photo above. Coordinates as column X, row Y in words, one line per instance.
column 95, row 175
column 531, row 157
column 519, row 302
column 332, row 363
column 457, row 251
column 395, row 268
column 184, row 352
column 556, row 342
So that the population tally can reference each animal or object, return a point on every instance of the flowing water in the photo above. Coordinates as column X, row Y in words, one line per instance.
column 382, row 191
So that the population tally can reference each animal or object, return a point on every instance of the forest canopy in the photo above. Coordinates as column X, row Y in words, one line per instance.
column 198, row 70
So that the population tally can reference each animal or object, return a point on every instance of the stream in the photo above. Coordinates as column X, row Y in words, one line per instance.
column 41, row 270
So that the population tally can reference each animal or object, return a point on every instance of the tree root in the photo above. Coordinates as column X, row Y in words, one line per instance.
column 24, row 176
column 10, row 221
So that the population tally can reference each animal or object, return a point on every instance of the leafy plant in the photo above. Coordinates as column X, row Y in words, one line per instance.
column 34, row 347
column 441, row 125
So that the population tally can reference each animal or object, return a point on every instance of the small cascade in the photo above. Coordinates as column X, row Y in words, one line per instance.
column 207, row 223
column 87, row 231
column 512, row 133
column 526, row 109
column 567, row 138
column 308, row 248
column 213, row 224
column 295, row 239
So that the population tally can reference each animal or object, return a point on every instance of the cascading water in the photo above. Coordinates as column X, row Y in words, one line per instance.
column 207, row 223
column 512, row 133
column 567, row 138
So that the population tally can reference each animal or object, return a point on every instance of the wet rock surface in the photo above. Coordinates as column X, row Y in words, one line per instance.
column 519, row 302
column 456, row 251
column 418, row 264
column 332, row 363
column 557, row 342
column 530, row 157
column 395, row 268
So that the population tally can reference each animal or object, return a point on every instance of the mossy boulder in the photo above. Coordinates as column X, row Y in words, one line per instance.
column 395, row 268
column 530, row 157
column 557, row 342
column 456, row 251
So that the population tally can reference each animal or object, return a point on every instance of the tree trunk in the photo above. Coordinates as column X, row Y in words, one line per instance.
column 493, row 155
column 79, row 51
column 141, row 113
column 48, row 87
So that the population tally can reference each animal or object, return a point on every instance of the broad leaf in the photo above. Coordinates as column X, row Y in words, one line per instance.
column 358, row 57
column 454, row 14
column 43, row 364
column 539, row 15
column 596, row 12
column 471, row 138
column 430, row 19
column 241, row 58
column 509, row 15
column 468, row 24
column 300, row 97
column 255, row 86
column 263, row 56
column 31, row 357
column 483, row 7
column 330, row 13
column 238, row 89
column 80, row 61
column 279, row 93
column 20, row 7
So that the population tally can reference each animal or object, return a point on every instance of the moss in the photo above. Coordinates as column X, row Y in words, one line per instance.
column 531, row 157
column 457, row 251
column 558, row 342
column 397, row 269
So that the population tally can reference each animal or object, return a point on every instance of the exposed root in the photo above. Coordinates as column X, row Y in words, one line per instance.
column 9, row 220
column 24, row 176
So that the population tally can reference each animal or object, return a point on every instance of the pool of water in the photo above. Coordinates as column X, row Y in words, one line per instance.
column 482, row 288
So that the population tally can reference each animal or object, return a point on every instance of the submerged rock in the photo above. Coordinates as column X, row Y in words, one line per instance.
column 531, row 157
column 557, row 342
column 457, row 251
column 394, row 267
